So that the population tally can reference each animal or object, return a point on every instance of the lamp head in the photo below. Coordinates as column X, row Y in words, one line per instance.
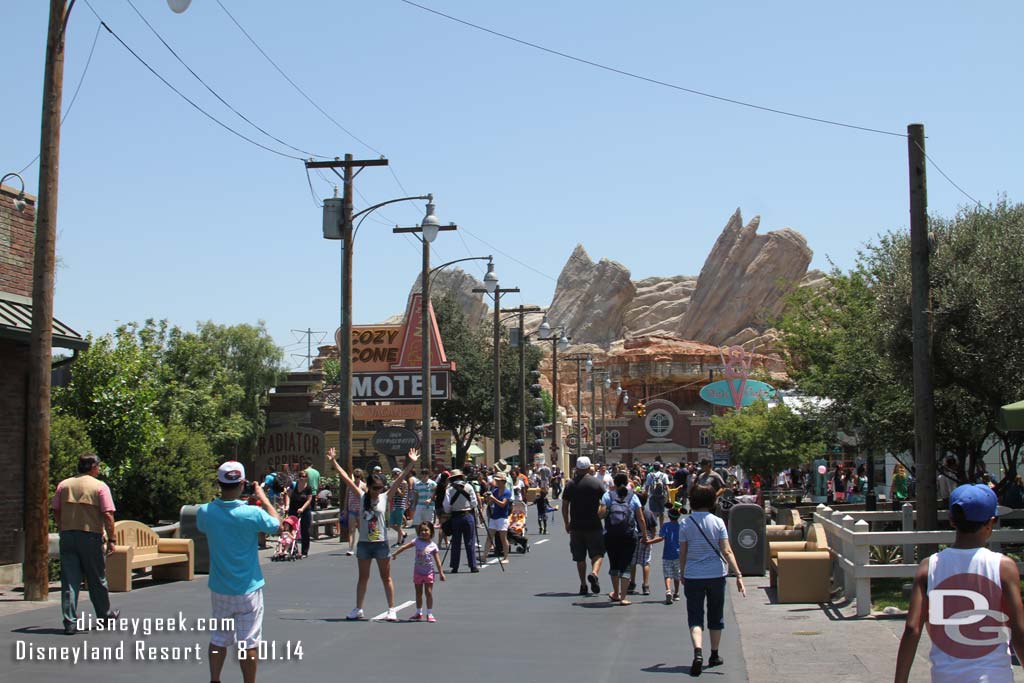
column 607, row 382
column 563, row 343
column 19, row 201
column 625, row 398
column 491, row 278
column 544, row 331
column 430, row 224
column 618, row 390
column 589, row 364
column 178, row 6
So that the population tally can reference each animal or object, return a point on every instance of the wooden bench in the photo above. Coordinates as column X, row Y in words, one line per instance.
column 136, row 546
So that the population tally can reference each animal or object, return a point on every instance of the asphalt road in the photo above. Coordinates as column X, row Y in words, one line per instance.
column 524, row 624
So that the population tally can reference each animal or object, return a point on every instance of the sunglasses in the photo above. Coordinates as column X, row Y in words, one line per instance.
column 376, row 488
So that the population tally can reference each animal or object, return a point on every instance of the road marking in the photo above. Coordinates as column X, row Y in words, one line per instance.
column 545, row 540
column 398, row 608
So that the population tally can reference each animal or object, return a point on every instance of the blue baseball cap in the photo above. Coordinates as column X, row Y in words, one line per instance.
column 977, row 501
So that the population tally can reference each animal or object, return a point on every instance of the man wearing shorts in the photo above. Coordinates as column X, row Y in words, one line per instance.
column 582, row 498
column 236, row 582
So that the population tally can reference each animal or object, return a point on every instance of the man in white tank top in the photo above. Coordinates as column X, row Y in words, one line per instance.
column 969, row 599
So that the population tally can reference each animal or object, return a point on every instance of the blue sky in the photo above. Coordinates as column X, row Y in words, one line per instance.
column 164, row 214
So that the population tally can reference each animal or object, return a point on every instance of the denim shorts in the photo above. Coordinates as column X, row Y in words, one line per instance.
column 372, row 550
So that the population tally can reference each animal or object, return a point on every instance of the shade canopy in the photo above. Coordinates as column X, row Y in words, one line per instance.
column 1011, row 417
column 474, row 450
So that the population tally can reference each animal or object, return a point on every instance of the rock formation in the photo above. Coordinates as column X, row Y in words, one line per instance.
column 744, row 281
column 591, row 298
column 460, row 283
column 659, row 305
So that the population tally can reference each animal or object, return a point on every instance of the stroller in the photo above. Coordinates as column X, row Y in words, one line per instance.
column 517, row 527
column 288, row 543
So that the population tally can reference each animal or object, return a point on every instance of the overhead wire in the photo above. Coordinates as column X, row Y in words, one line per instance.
column 214, row 92
column 185, row 97
column 74, row 97
column 648, row 79
column 948, row 179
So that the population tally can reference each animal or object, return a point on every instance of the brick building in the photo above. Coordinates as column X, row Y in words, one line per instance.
column 17, row 241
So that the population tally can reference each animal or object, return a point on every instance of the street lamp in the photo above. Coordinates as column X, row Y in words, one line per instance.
column 428, row 230
column 559, row 342
column 579, row 360
column 492, row 289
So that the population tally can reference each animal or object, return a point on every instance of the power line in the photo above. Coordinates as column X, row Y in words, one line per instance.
column 74, row 97
column 948, row 179
column 185, row 97
column 306, row 96
column 214, row 92
column 648, row 79
column 507, row 255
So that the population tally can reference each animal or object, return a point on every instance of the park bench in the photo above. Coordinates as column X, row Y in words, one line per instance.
column 801, row 571
column 136, row 546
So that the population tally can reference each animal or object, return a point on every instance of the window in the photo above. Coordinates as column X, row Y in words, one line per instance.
column 705, row 438
column 659, row 423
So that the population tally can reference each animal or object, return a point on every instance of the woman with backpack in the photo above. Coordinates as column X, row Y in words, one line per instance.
column 623, row 514
column 705, row 556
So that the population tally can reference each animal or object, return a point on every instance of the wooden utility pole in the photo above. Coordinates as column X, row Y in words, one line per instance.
column 345, row 333
column 924, row 400
column 525, row 461
column 37, row 465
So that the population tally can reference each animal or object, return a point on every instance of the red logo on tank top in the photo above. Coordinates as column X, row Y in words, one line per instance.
column 966, row 616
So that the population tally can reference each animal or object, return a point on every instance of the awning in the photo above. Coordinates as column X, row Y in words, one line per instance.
column 1011, row 417
column 16, row 324
column 474, row 450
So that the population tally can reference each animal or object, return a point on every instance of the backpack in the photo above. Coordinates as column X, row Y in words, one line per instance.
column 620, row 517
column 658, row 492
column 280, row 483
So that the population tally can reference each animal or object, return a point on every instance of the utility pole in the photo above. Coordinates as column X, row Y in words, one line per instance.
column 37, row 466
column 345, row 331
column 308, row 334
column 924, row 399
column 579, row 360
column 522, row 311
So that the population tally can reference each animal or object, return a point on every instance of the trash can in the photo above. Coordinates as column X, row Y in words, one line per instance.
column 188, row 529
column 747, row 538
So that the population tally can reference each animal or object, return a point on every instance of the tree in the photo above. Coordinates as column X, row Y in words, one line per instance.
column 469, row 412
column 69, row 440
column 851, row 340
column 766, row 440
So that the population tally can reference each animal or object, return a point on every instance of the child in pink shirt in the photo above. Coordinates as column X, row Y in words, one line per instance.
column 427, row 558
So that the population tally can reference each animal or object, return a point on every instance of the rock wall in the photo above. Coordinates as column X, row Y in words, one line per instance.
column 659, row 305
column 461, row 284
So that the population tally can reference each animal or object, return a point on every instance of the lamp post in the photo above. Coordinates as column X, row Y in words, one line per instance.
column 521, row 312
column 491, row 288
column 559, row 342
column 428, row 230
column 605, row 384
column 338, row 222
column 579, row 360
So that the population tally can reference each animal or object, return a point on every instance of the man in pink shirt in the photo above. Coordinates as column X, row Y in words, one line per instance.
column 84, row 509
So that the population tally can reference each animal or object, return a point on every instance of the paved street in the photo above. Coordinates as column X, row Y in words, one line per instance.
column 524, row 624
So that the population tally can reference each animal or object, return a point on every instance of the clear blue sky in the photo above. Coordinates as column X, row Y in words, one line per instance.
column 164, row 214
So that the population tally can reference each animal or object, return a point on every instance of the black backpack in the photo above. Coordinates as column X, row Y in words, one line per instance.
column 658, row 493
column 280, row 483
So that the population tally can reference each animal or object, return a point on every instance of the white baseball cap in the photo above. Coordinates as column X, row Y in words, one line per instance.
column 231, row 472
column 583, row 463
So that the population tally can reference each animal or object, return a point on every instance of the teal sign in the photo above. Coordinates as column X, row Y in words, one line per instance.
column 736, row 393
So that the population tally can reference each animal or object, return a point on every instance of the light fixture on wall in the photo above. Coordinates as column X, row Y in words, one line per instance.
column 19, row 201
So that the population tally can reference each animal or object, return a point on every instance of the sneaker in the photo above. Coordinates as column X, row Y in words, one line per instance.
column 453, row 570
column 431, row 619
column 349, row 553
column 675, row 597
column 392, row 615
column 668, row 598
column 646, row 590
column 416, row 617
column 698, row 664
column 70, row 629
column 595, row 585
column 631, row 588
column 355, row 615
column 584, row 590
column 714, row 660
column 474, row 570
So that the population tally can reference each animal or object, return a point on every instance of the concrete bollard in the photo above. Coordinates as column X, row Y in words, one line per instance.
column 862, row 558
column 909, row 554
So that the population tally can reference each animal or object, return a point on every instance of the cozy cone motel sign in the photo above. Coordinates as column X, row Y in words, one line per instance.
column 387, row 360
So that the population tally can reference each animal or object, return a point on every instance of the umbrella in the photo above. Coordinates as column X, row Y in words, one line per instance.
column 1011, row 417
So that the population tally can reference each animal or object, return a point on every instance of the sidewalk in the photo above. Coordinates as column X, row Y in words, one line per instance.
column 805, row 643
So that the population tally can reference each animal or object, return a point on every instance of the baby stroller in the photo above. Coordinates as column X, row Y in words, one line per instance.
column 288, row 543
column 517, row 527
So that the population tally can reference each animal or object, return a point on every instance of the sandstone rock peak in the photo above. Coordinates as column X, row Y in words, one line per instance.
column 460, row 283
column 590, row 298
